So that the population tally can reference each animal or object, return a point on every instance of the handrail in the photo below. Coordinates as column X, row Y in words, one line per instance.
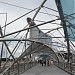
column 17, row 61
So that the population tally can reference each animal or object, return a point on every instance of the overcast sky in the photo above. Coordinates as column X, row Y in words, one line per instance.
column 13, row 12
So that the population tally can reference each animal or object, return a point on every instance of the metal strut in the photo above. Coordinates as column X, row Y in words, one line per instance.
column 58, row 3
column 6, row 44
column 39, row 9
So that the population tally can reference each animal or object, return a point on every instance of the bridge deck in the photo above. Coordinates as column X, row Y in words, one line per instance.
column 45, row 70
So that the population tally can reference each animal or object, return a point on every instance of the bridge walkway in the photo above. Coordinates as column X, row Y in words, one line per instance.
column 45, row 70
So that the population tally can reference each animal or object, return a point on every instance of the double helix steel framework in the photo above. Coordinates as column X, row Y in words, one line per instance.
column 33, row 42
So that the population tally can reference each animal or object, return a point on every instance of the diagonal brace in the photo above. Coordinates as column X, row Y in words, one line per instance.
column 6, row 44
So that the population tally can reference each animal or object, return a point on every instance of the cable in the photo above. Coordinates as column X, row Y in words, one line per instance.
column 15, row 5
column 20, row 43
column 60, row 33
column 72, row 44
column 49, row 14
column 62, row 42
column 72, row 31
column 71, row 25
column 24, row 14
column 50, row 9
column 15, row 49
column 5, row 24
column 45, row 21
column 53, row 29
column 17, row 34
column 68, row 15
column 39, row 8
column 57, row 43
column 20, row 17
column 24, row 8
column 29, row 28
column 58, row 39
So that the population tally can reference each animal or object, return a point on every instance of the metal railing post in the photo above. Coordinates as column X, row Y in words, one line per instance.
column 18, row 68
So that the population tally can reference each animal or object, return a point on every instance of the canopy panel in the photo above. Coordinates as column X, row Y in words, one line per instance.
column 68, row 7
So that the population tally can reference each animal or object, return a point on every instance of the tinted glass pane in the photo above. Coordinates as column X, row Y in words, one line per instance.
column 68, row 7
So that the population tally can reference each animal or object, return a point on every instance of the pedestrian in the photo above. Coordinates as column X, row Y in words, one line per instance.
column 42, row 62
column 47, row 62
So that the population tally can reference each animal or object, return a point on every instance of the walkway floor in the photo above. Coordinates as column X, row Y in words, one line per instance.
column 45, row 70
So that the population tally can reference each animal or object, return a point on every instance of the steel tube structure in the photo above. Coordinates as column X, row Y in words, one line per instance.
column 6, row 44
column 58, row 3
column 29, row 28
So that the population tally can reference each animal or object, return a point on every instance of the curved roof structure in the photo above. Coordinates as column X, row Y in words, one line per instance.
column 50, row 30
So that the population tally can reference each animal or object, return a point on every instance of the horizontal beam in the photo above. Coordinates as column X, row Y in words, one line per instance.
column 29, row 27
column 7, row 39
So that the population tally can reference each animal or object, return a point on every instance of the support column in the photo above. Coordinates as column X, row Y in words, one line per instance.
column 58, row 3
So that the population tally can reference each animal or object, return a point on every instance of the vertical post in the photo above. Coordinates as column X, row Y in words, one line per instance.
column 2, row 42
column 4, row 33
column 68, row 48
column 24, row 64
column 9, row 72
column 6, row 44
column 1, row 56
column 18, row 67
column 58, row 3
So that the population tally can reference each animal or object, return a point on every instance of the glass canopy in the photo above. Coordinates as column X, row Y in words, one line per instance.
column 68, row 7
